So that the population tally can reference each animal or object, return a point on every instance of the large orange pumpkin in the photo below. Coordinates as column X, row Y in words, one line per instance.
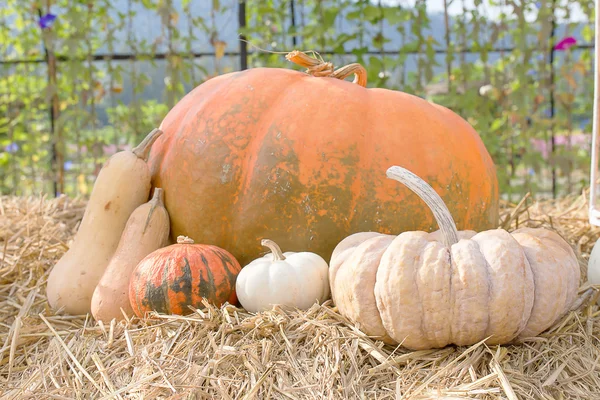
column 301, row 158
column 172, row 278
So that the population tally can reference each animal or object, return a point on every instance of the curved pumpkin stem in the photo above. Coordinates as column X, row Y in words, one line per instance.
column 142, row 150
column 431, row 198
column 320, row 68
column 360, row 73
column 275, row 249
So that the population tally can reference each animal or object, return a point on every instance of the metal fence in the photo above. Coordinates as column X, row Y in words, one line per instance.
column 53, row 62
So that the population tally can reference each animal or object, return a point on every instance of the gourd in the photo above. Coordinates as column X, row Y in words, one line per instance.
column 429, row 290
column 289, row 279
column 299, row 158
column 173, row 279
column 593, row 271
column 146, row 231
column 593, row 267
column 122, row 185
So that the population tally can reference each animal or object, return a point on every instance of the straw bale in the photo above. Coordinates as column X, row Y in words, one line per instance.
column 282, row 354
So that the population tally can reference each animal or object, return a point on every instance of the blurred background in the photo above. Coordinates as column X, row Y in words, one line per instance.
column 81, row 80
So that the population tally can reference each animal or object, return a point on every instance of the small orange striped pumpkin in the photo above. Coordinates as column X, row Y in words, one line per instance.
column 171, row 279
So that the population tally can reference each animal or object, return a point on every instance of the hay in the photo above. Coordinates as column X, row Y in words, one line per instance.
column 230, row 354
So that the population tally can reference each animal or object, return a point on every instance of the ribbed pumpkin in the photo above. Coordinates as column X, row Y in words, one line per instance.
column 171, row 279
column 428, row 290
column 301, row 158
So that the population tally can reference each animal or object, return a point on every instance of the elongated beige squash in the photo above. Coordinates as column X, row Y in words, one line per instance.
column 429, row 290
column 122, row 185
column 147, row 230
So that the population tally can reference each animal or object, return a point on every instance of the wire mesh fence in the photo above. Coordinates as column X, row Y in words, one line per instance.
column 82, row 80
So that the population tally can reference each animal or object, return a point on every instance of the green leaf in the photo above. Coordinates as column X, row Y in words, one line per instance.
column 395, row 15
column 371, row 13
column 587, row 33
column 354, row 15
column 148, row 4
column 329, row 17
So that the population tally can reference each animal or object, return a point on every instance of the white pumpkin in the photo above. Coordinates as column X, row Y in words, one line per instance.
column 287, row 279
column 593, row 272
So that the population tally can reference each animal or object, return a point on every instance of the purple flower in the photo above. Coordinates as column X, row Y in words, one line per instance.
column 531, row 72
column 538, row 4
column 47, row 20
column 565, row 43
column 11, row 148
column 68, row 165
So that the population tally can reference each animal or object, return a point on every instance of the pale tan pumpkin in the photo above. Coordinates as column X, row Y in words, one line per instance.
column 429, row 290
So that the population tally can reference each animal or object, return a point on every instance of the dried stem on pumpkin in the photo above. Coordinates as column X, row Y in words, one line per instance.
column 184, row 240
column 431, row 198
column 158, row 199
column 275, row 249
column 319, row 68
column 142, row 150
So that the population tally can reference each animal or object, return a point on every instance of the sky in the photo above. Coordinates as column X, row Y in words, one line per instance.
column 456, row 7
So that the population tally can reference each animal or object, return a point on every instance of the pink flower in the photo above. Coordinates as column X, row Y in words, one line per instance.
column 109, row 149
column 564, row 44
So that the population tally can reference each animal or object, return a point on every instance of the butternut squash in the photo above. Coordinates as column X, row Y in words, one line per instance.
column 122, row 185
column 147, row 230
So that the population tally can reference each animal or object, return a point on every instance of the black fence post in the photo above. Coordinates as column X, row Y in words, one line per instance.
column 293, row 14
column 243, row 44
column 552, row 103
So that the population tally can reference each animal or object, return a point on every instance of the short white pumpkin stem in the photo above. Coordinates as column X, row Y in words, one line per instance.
column 431, row 198
column 275, row 249
column 184, row 240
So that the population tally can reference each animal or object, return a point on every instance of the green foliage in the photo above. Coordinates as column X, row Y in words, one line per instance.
column 105, row 105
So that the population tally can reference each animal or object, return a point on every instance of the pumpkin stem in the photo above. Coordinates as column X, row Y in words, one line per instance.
column 159, row 195
column 158, row 199
column 142, row 150
column 431, row 198
column 359, row 72
column 319, row 68
column 184, row 240
column 275, row 249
